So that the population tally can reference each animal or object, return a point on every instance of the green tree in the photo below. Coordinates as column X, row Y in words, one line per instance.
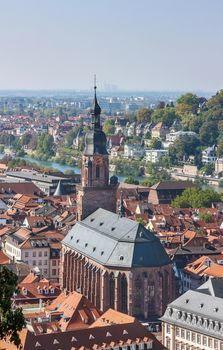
column 155, row 143
column 131, row 180
column 187, row 104
column 216, row 100
column 45, row 146
column 144, row 115
column 206, row 217
column 12, row 319
column 220, row 148
column 208, row 169
column 182, row 148
column 166, row 115
column 25, row 139
column 209, row 133
column 109, row 127
column 196, row 198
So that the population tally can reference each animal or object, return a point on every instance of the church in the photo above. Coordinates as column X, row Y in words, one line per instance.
column 114, row 261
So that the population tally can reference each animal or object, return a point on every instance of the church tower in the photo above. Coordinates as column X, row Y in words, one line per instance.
column 95, row 190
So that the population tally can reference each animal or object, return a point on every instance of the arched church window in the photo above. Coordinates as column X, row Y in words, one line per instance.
column 112, row 290
column 151, row 298
column 138, row 293
column 124, row 294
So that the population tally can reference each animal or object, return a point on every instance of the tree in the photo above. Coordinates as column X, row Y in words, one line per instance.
column 45, row 146
column 26, row 138
column 206, row 217
column 131, row 180
column 161, row 105
column 12, row 319
column 155, row 143
column 196, row 198
column 208, row 169
column 187, row 104
column 209, row 133
column 216, row 100
column 184, row 147
column 220, row 148
column 166, row 115
column 144, row 115
column 109, row 127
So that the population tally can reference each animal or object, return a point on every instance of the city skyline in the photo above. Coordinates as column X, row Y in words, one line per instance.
column 146, row 46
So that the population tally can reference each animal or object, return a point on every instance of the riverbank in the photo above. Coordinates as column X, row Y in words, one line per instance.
column 63, row 168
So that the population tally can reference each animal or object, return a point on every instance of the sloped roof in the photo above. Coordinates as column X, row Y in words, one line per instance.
column 213, row 287
column 112, row 240
column 172, row 185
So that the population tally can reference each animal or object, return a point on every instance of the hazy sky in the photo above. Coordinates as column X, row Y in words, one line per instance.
column 133, row 44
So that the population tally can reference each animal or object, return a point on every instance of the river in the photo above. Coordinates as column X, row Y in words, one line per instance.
column 63, row 167
column 55, row 165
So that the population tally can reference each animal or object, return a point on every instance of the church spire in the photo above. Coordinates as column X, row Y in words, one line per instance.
column 96, row 110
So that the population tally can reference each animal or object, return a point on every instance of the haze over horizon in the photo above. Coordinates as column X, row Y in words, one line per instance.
column 166, row 45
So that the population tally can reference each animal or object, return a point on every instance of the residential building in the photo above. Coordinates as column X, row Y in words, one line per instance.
column 153, row 155
column 195, row 319
column 219, row 165
column 175, row 135
column 40, row 251
column 209, row 155
column 133, row 151
column 159, row 130
column 200, row 270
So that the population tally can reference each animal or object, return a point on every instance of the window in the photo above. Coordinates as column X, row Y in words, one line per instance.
column 26, row 254
column 188, row 335
column 168, row 343
column 198, row 339
column 54, row 263
column 45, row 253
column 34, row 262
column 210, row 342
column 182, row 333
column 177, row 331
column 45, row 271
column 221, row 345
column 193, row 337
column 34, row 254
column 40, row 253
column 168, row 328
column 215, row 344
column 40, row 263
column 54, row 272
column 204, row 340
column 45, row 262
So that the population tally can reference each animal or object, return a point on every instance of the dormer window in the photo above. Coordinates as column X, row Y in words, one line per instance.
column 52, row 290
column 24, row 291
